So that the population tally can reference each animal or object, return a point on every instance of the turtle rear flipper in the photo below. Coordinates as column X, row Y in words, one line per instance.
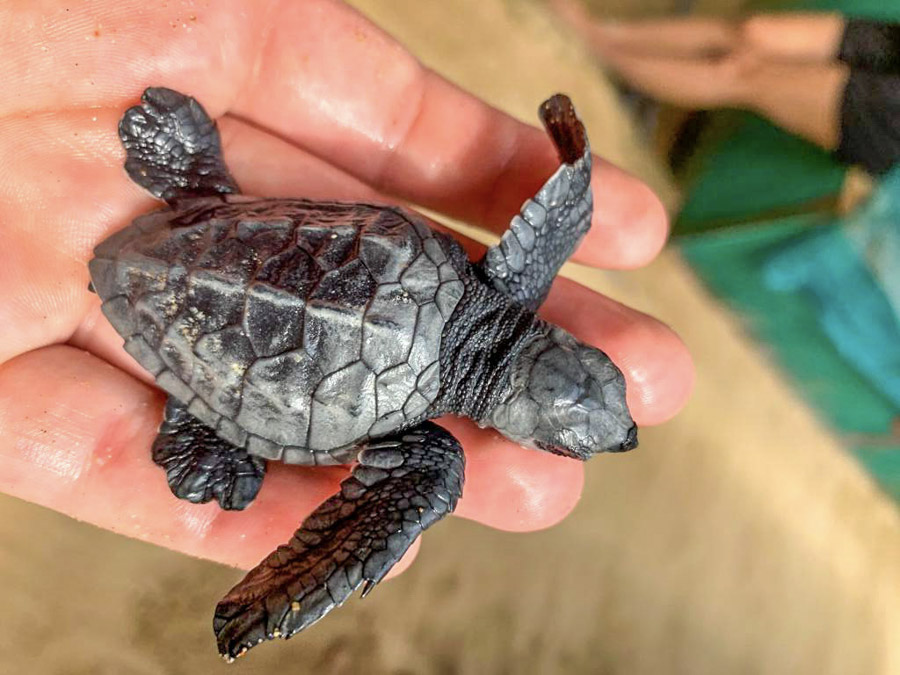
column 550, row 225
column 401, row 486
column 200, row 466
column 173, row 148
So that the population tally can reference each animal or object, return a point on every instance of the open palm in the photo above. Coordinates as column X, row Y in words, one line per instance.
column 312, row 100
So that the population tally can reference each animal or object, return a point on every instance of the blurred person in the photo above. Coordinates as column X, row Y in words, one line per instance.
column 829, row 79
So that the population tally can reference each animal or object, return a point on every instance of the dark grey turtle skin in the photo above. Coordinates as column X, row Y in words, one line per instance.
column 326, row 333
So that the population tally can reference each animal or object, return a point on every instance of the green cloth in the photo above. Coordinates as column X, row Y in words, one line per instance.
column 745, row 169
column 734, row 262
column 850, row 272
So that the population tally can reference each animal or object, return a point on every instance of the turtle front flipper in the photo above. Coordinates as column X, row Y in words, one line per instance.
column 173, row 147
column 401, row 485
column 200, row 466
column 551, row 224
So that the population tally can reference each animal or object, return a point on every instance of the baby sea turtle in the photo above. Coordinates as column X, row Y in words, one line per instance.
column 325, row 333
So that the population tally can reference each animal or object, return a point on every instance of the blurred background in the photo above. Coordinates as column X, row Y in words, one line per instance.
column 757, row 532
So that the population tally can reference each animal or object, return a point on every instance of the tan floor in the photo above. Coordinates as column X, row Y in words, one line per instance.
column 738, row 539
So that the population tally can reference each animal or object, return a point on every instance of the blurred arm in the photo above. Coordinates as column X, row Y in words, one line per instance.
column 794, row 37
column 804, row 99
column 798, row 37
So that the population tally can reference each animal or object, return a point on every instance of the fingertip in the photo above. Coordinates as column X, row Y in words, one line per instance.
column 513, row 488
column 657, row 365
column 647, row 228
column 630, row 224
column 659, row 372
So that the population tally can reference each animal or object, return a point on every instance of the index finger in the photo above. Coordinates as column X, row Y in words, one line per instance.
column 332, row 82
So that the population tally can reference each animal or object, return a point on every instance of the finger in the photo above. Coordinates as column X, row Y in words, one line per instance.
column 406, row 131
column 76, row 434
column 512, row 488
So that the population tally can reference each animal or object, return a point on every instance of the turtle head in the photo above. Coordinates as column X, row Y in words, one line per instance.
column 564, row 397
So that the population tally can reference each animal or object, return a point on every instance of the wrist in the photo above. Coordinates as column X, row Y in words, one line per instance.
column 743, row 75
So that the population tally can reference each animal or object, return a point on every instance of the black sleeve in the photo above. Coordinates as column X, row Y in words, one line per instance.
column 870, row 121
column 871, row 45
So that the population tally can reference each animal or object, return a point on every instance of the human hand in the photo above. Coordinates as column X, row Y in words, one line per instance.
column 312, row 100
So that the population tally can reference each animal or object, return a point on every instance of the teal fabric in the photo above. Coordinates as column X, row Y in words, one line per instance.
column 883, row 462
column 851, row 274
column 732, row 263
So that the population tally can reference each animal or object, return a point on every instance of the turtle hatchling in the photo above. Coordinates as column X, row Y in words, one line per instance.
column 326, row 333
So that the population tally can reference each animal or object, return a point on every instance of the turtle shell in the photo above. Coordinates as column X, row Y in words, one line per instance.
column 293, row 328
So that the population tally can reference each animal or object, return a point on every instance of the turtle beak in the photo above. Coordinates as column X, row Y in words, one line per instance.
column 631, row 440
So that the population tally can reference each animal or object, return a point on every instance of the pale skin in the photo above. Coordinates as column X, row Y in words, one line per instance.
column 312, row 100
column 780, row 66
